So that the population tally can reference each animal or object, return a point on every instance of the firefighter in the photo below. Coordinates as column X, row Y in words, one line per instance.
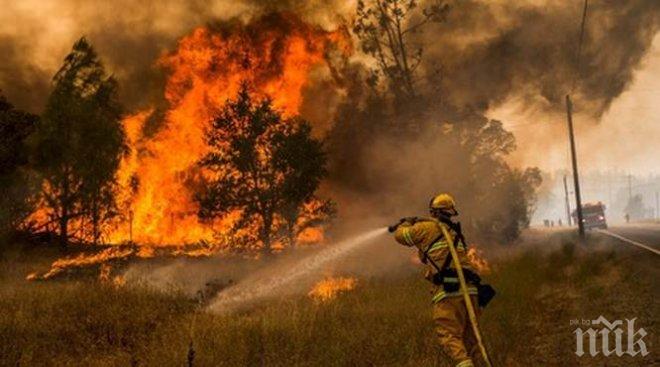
column 450, row 313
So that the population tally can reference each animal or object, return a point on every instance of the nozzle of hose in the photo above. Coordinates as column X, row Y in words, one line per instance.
column 411, row 220
column 393, row 227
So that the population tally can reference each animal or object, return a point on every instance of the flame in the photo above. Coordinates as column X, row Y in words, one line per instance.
column 114, row 254
column 311, row 235
column 105, row 276
column 328, row 288
column 85, row 260
column 478, row 262
column 104, row 272
column 118, row 281
column 274, row 54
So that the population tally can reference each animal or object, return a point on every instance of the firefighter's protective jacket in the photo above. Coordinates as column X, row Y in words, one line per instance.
column 426, row 235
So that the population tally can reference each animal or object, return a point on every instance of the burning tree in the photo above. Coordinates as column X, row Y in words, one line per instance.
column 79, row 144
column 265, row 167
column 277, row 53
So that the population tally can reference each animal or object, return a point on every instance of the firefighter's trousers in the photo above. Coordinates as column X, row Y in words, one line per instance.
column 452, row 325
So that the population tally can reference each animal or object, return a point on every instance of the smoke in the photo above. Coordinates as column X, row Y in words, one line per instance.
column 492, row 55
column 36, row 35
column 493, row 51
column 489, row 51
column 27, row 84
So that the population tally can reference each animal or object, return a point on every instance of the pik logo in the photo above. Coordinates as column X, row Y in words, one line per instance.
column 602, row 334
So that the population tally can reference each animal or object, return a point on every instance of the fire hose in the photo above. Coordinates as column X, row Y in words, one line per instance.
column 466, row 297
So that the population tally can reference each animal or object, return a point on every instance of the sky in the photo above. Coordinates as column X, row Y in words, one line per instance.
column 626, row 138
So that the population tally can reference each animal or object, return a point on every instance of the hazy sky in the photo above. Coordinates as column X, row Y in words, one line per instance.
column 626, row 138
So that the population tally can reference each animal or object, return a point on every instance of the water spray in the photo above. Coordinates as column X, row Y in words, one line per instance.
column 264, row 284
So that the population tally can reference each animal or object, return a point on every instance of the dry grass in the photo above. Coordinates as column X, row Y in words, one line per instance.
column 384, row 322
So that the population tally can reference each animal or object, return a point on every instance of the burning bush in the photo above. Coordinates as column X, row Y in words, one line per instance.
column 267, row 169
column 275, row 53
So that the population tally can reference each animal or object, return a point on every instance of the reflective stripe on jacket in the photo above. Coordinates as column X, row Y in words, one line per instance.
column 426, row 235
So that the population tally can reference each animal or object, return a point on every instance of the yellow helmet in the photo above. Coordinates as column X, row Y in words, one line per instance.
column 443, row 202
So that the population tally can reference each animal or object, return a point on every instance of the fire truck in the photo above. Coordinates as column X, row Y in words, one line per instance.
column 593, row 215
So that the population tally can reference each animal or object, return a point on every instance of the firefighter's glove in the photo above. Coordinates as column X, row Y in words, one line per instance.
column 410, row 220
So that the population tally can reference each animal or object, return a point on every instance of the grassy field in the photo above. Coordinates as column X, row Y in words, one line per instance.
column 542, row 285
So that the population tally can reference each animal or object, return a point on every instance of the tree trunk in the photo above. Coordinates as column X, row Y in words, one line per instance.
column 290, row 232
column 95, row 221
column 64, row 229
column 265, row 235
column 64, row 216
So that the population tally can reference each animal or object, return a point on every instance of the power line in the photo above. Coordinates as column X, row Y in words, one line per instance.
column 579, row 52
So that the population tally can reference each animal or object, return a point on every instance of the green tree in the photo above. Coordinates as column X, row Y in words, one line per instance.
column 79, row 144
column 267, row 168
column 15, row 180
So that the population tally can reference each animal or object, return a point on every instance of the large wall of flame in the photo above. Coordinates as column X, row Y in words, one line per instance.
column 274, row 54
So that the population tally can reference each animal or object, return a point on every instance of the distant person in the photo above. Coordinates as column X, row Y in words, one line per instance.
column 452, row 319
column 627, row 218
column 559, row 223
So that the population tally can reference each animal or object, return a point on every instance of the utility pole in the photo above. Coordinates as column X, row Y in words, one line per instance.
column 576, row 179
column 568, row 203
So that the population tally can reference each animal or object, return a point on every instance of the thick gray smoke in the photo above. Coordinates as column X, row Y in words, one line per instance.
column 35, row 36
column 488, row 50
column 495, row 50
